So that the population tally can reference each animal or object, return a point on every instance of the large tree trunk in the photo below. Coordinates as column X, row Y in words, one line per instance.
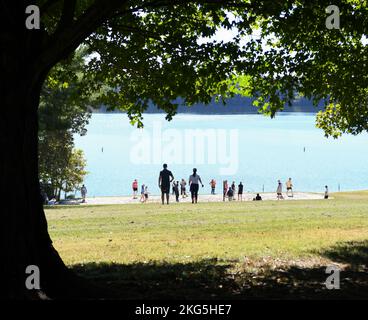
column 24, row 235
column 24, row 228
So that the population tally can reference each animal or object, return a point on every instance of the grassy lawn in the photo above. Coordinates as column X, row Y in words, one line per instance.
column 250, row 249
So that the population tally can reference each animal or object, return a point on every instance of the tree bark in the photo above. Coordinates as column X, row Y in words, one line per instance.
column 24, row 234
column 25, row 59
column 24, row 228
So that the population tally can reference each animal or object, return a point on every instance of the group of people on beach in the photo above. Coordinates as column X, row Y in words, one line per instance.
column 230, row 191
column 144, row 191
column 289, row 189
column 166, row 181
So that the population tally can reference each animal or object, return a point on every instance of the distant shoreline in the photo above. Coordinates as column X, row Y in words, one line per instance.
column 279, row 113
column 235, row 105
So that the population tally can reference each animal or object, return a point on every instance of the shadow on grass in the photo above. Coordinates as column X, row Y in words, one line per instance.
column 214, row 279
column 353, row 253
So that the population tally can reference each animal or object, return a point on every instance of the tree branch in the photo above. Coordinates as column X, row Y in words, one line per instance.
column 71, row 34
column 68, row 37
column 171, row 3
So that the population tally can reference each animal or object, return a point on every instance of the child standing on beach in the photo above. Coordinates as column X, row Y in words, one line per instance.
column 183, row 191
column 145, row 194
column 279, row 191
column 213, row 186
column 135, row 188
column 225, row 189
column 230, row 194
column 142, row 193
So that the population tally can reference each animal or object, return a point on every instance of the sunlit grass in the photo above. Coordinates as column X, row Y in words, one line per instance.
column 189, row 233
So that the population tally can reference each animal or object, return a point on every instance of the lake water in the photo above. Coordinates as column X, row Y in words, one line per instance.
column 250, row 148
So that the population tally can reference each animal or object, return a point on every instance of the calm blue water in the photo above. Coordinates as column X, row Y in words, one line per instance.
column 249, row 148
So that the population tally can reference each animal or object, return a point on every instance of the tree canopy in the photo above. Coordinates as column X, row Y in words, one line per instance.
column 303, row 56
column 63, row 101
column 63, row 112
column 160, row 50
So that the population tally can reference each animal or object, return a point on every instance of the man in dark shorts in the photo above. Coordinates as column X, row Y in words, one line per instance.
column 289, row 188
column 240, row 191
column 164, row 183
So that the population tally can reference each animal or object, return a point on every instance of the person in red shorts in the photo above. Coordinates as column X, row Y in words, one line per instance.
column 135, row 188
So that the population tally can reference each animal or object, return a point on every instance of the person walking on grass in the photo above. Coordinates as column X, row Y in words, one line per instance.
column 289, row 188
column 183, row 188
column 213, row 186
column 279, row 191
column 83, row 193
column 240, row 191
column 225, row 189
column 164, row 181
column 135, row 188
column 194, row 181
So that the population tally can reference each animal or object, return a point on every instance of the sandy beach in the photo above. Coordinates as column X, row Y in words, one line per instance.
column 202, row 198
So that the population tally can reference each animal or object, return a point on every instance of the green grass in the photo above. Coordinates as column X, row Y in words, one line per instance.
column 251, row 234
column 182, row 233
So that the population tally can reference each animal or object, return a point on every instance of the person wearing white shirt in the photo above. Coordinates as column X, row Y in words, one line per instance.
column 194, row 181
column 279, row 190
